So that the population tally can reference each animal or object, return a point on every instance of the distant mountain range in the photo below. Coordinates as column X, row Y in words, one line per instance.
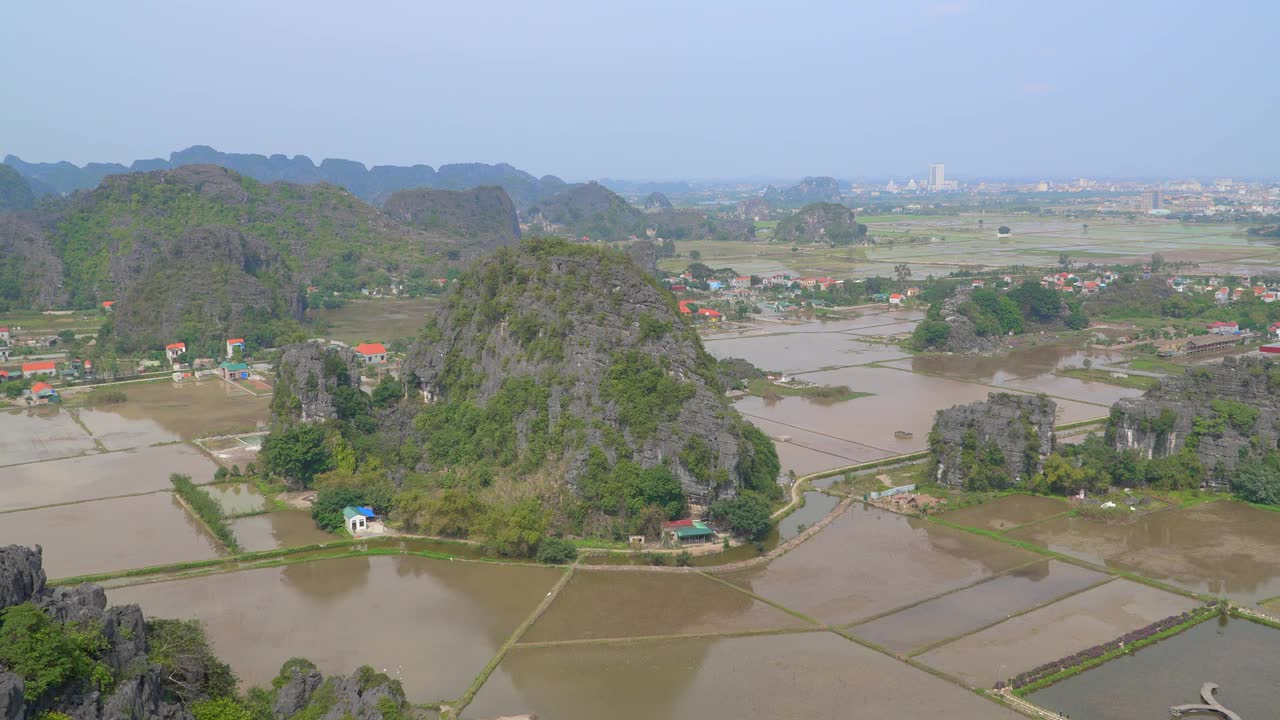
column 372, row 185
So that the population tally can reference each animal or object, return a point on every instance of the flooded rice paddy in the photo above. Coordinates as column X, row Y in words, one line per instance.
column 869, row 561
column 285, row 528
column 99, row 476
column 1220, row 548
column 1055, row 631
column 799, row 675
column 45, row 433
column 1007, row 512
column 976, row 607
column 432, row 624
column 816, row 506
column 166, row 411
column 604, row 604
column 237, row 498
column 1238, row 655
column 104, row 535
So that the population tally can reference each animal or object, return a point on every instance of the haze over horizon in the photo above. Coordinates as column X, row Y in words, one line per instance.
column 713, row 90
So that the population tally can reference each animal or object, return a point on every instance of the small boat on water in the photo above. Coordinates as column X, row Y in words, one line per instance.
column 902, row 434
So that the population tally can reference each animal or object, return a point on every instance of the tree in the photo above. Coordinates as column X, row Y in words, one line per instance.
column 699, row 271
column 930, row 334
column 556, row 551
column 1258, row 481
column 220, row 709
column 388, row 391
column 1004, row 230
column 1157, row 262
column 903, row 272
column 1085, row 227
column 296, row 454
column 514, row 531
column 747, row 514
column 46, row 654
column 189, row 669
column 695, row 255
column 1064, row 261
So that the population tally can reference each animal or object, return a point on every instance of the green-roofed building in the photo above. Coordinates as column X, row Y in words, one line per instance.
column 354, row 520
column 689, row 531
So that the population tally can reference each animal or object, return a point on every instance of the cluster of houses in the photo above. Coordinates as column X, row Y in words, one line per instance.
column 708, row 315
column 1072, row 283
column 1221, row 293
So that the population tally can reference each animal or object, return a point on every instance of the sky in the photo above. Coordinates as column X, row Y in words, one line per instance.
column 656, row 90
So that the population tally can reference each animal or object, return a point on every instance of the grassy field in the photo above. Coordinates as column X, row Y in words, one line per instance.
column 820, row 393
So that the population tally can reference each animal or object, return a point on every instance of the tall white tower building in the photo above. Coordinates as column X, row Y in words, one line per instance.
column 937, row 177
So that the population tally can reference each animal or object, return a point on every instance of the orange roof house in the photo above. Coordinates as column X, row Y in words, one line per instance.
column 372, row 352
column 43, row 367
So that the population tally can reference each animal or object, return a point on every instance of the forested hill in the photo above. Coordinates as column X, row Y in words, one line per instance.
column 370, row 184
column 200, row 250
column 556, row 372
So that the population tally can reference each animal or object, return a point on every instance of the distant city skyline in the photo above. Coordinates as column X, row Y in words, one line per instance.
column 712, row 90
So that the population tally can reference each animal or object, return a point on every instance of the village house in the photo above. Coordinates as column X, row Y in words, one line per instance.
column 4, row 353
column 977, row 284
column 828, row 283
column 808, row 283
column 173, row 350
column 913, row 291
column 108, row 305
column 1219, row 327
column 688, row 531
column 1089, row 287
column 234, row 370
column 1274, row 330
column 4, row 334
column 684, row 307
column 714, row 284
column 895, row 299
column 372, row 353
column 1221, row 295
column 46, row 368
column 43, row 392
column 232, row 345
column 711, row 316
column 742, row 282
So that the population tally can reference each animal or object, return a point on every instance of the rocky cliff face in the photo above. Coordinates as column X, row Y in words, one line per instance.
column 1007, row 437
column 1222, row 412
column 964, row 336
column 484, row 216
column 308, row 374
column 143, row 690
column 820, row 222
column 601, row 355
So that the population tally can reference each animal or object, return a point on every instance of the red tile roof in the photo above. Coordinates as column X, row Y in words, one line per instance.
column 708, row 312
column 108, row 303
column 176, row 346
column 40, row 387
column 42, row 365
column 371, row 349
column 233, row 341
column 684, row 306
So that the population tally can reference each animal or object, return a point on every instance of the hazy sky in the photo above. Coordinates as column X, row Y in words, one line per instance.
column 655, row 89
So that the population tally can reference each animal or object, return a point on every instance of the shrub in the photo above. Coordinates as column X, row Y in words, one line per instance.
column 556, row 551
column 747, row 514
column 47, row 654
column 207, row 508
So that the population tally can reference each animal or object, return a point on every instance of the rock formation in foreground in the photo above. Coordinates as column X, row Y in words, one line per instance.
column 1223, row 413
column 993, row 444
column 62, row 650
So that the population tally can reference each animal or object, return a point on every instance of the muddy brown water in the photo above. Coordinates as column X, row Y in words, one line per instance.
column 237, row 498
column 1219, row 548
column 603, row 604
column 794, row 350
column 167, row 411
column 98, row 476
column 1055, row 631
column 864, row 429
column 975, row 607
column 1238, row 655
column 376, row 320
column 433, row 624
column 801, row 676
column 44, row 433
column 1007, row 512
column 281, row 529
column 869, row 561
column 106, row 535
